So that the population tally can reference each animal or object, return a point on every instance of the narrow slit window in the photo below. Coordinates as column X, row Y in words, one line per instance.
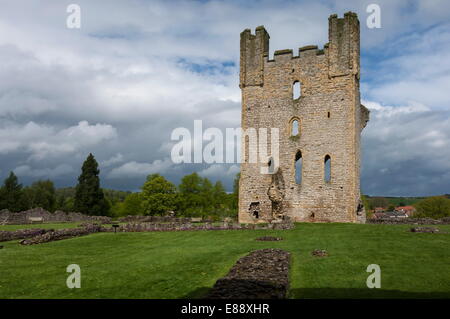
column 328, row 114
column 271, row 166
column 327, row 168
column 296, row 90
column 295, row 128
column 247, row 149
column 298, row 167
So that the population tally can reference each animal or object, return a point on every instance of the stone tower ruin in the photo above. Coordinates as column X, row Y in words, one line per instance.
column 318, row 177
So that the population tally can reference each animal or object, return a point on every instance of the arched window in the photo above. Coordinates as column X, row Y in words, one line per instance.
column 295, row 128
column 327, row 168
column 298, row 167
column 296, row 90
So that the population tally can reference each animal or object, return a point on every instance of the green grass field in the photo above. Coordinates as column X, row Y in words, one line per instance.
column 186, row 264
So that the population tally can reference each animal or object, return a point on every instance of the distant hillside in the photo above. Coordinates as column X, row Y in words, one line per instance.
column 404, row 201
column 385, row 201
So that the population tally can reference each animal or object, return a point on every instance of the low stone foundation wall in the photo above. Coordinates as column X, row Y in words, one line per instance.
column 153, row 219
column 38, row 236
column 21, row 234
column 61, row 234
column 9, row 218
column 148, row 227
column 410, row 221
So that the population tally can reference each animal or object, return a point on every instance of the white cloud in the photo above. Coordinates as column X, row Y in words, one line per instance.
column 416, row 68
column 381, row 111
column 113, row 160
column 135, row 169
column 220, row 170
column 41, row 141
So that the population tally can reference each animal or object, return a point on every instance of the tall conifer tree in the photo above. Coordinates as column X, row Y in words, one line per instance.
column 89, row 197
column 11, row 194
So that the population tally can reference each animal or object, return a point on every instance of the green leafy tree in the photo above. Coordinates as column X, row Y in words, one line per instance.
column 433, row 207
column 65, row 198
column 219, row 195
column 132, row 205
column 207, row 196
column 11, row 195
column 367, row 206
column 192, row 189
column 41, row 194
column 191, row 184
column 66, row 204
column 89, row 197
column 115, row 196
column 235, row 194
column 158, row 195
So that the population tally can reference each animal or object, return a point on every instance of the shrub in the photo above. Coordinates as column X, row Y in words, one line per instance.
column 433, row 207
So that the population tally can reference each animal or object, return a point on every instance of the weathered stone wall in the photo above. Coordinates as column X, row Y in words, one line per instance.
column 410, row 221
column 330, row 118
column 150, row 227
column 21, row 233
column 9, row 218
column 153, row 219
column 61, row 234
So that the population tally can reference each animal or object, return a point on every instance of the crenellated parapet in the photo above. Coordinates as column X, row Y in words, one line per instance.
column 303, row 52
column 341, row 52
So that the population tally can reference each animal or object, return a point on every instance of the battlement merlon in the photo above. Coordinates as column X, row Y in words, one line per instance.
column 342, row 50
column 344, row 45
column 254, row 48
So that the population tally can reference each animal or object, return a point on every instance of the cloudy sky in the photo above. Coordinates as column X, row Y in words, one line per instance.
column 137, row 69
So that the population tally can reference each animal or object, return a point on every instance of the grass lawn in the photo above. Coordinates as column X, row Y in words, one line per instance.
column 186, row 264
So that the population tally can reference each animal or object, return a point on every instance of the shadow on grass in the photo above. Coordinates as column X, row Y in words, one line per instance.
column 341, row 293
column 198, row 293
column 234, row 288
column 363, row 293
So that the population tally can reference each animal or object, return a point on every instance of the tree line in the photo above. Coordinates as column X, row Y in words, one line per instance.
column 195, row 196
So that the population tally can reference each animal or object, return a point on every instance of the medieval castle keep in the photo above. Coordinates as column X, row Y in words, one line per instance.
column 319, row 131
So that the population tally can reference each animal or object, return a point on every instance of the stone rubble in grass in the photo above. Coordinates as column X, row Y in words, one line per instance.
column 269, row 238
column 60, row 234
column 262, row 274
column 426, row 230
column 21, row 233
column 320, row 253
